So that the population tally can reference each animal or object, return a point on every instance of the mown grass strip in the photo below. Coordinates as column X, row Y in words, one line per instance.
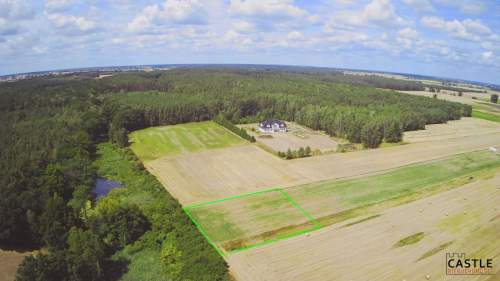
column 486, row 116
column 409, row 240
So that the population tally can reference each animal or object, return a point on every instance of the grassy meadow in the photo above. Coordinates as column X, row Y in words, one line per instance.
column 156, row 142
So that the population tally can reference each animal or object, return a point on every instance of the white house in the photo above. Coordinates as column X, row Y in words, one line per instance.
column 272, row 126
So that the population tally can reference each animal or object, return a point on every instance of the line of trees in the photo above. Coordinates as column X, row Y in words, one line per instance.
column 299, row 153
column 221, row 120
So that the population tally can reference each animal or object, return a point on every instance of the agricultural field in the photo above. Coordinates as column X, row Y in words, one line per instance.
column 254, row 219
column 216, row 174
column 478, row 101
column 156, row 142
column 407, row 242
column 297, row 136
column 264, row 214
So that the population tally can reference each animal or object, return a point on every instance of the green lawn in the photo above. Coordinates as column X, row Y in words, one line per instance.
column 486, row 116
column 156, row 142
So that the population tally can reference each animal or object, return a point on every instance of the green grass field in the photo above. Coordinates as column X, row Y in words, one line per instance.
column 156, row 142
column 486, row 116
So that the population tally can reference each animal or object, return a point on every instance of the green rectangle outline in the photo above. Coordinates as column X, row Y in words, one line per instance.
column 287, row 196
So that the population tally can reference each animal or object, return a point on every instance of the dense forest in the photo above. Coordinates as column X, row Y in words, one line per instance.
column 54, row 131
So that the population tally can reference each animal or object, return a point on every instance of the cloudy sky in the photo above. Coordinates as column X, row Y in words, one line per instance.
column 448, row 38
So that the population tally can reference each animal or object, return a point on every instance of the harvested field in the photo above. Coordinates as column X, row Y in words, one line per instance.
column 244, row 220
column 156, row 142
column 216, row 174
column 465, row 219
column 479, row 101
column 453, row 129
column 297, row 136
column 9, row 261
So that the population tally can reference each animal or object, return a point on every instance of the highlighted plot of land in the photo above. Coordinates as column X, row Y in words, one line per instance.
column 250, row 220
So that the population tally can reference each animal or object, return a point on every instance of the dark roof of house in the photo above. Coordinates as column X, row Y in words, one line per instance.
column 270, row 122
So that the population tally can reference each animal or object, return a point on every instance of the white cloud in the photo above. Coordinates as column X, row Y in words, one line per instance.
column 7, row 28
column 467, row 29
column 408, row 33
column 347, row 37
column 58, row 5
column 420, row 5
column 243, row 26
column 15, row 10
column 407, row 37
column 171, row 11
column 266, row 9
column 294, row 35
column 73, row 25
column 377, row 12
column 487, row 56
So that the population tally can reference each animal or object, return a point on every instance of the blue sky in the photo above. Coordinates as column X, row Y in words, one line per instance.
column 448, row 38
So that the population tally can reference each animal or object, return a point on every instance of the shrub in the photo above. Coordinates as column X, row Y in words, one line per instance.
column 494, row 98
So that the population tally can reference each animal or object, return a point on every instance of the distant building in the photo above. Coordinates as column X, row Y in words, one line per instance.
column 272, row 126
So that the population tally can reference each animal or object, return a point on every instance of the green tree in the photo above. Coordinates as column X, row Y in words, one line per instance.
column 289, row 154
column 171, row 259
column 393, row 131
column 119, row 225
column 301, row 153
column 494, row 98
column 371, row 134
column 85, row 255
column 308, row 151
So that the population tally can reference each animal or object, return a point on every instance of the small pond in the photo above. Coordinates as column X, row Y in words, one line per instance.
column 104, row 186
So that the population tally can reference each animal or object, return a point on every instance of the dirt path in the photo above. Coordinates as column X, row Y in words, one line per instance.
column 469, row 216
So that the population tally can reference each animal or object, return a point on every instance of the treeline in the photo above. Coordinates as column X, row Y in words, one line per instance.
column 359, row 114
column 299, row 153
column 221, row 120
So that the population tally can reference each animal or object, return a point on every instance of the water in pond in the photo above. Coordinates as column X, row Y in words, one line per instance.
column 104, row 186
